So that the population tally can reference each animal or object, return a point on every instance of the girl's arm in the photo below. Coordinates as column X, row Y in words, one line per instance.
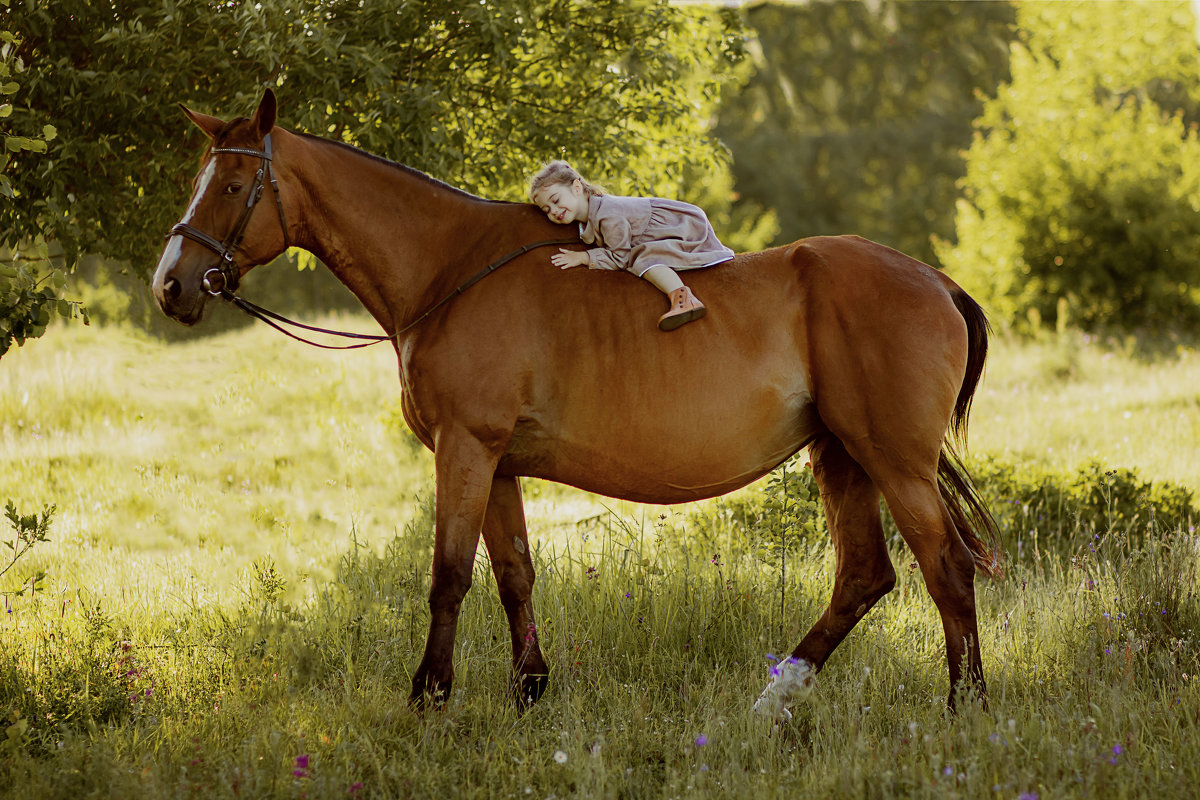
column 566, row 259
column 615, row 244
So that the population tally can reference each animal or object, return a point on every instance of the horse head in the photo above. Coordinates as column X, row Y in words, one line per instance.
column 219, row 238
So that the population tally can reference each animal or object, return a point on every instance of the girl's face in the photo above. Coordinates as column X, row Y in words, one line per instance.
column 563, row 203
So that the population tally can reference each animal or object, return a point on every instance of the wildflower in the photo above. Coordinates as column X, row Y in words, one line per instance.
column 1116, row 751
column 628, row 595
column 301, row 770
column 355, row 787
column 948, row 771
column 701, row 740
column 1027, row 796
column 560, row 757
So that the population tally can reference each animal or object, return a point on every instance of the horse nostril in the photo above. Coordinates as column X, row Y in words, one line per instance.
column 172, row 289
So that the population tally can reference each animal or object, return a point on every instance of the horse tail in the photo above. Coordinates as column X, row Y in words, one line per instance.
column 977, row 349
column 975, row 523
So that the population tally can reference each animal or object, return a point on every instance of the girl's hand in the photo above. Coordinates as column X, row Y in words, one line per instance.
column 566, row 259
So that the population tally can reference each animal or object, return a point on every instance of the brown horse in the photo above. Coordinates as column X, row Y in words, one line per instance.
column 864, row 355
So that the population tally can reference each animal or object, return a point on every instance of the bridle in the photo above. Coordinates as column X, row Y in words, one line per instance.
column 224, row 277
column 222, row 280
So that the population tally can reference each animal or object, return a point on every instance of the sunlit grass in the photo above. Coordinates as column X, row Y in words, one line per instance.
column 238, row 571
column 1071, row 398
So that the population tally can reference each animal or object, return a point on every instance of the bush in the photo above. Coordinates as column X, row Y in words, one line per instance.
column 1036, row 508
column 1083, row 182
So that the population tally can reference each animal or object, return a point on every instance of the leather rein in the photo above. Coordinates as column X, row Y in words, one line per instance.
column 222, row 280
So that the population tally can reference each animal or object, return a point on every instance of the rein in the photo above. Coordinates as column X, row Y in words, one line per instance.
column 222, row 280
column 274, row 320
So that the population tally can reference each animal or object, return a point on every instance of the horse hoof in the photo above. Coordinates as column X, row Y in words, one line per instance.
column 428, row 694
column 529, row 688
column 792, row 679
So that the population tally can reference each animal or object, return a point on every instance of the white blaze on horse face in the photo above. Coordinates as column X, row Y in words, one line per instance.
column 171, row 252
column 794, row 678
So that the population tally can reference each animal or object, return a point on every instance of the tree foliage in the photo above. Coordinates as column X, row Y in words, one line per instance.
column 30, row 285
column 475, row 92
column 856, row 115
column 1083, row 180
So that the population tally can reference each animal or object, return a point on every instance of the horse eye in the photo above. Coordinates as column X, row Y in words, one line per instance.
column 233, row 188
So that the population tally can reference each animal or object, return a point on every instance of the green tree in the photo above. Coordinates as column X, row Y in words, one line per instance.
column 1083, row 180
column 857, row 114
column 475, row 92
column 30, row 284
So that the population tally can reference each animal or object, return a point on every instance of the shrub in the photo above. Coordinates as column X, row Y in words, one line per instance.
column 1036, row 508
column 1083, row 181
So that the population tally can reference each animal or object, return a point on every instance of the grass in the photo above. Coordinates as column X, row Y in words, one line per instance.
column 238, row 570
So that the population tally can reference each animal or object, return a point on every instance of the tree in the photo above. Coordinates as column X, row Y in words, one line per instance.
column 1083, row 179
column 857, row 114
column 30, row 285
column 475, row 92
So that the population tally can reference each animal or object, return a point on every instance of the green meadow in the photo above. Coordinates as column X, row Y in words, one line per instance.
column 236, row 571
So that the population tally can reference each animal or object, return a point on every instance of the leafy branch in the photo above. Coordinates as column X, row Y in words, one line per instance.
column 30, row 530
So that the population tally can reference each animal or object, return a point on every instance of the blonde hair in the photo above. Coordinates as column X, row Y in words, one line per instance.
column 557, row 172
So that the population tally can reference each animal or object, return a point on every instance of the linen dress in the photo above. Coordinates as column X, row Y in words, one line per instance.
column 637, row 233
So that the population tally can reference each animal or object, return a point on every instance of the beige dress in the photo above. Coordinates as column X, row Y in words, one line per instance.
column 637, row 233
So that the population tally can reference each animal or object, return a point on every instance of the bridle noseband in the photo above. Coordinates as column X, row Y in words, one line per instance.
column 224, row 277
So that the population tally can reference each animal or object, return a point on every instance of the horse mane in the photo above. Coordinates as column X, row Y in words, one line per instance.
column 416, row 173
column 358, row 151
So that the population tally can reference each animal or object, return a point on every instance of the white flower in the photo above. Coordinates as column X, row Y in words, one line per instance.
column 560, row 756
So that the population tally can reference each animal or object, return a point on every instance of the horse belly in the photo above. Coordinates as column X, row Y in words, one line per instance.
column 670, row 446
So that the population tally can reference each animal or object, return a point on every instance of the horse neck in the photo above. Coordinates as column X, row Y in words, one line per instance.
column 397, row 238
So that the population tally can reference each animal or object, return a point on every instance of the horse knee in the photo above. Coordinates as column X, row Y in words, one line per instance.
column 448, row 588
column 514, row 589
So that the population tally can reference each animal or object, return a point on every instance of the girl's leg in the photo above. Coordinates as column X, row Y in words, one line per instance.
column 664, row 278
column 684, row 305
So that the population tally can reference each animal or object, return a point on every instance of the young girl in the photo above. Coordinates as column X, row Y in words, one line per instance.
column 648, row 236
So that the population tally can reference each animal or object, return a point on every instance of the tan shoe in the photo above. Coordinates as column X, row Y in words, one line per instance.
column 684, row 308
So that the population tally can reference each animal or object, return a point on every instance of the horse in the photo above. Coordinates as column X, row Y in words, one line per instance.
column 867, row 357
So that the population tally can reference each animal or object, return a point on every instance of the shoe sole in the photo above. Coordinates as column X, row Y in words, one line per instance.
column 671, row 323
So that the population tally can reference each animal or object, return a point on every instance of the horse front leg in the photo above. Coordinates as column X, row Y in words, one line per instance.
column 507, row 542
column 463, row 469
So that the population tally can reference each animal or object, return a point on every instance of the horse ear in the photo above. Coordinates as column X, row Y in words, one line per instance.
column 210, row 125
column 264, row 117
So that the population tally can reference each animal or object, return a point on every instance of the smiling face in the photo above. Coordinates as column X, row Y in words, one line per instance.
column 563, row 203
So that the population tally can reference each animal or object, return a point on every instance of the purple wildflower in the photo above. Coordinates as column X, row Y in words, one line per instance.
column 701, row 740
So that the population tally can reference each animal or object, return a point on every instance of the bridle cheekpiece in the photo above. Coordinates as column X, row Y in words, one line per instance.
column 224, row 277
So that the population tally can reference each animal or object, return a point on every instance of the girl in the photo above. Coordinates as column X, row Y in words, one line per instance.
column 647, row 236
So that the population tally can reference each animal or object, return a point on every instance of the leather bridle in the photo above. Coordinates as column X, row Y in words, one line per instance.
column 222, row 280
column 224, row 277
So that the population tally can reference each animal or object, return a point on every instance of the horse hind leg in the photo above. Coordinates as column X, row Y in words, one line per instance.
column 947, row 566
column 863, row 574
column 507, row 542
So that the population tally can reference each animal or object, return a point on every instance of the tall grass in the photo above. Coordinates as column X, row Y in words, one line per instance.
column 236, row 597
